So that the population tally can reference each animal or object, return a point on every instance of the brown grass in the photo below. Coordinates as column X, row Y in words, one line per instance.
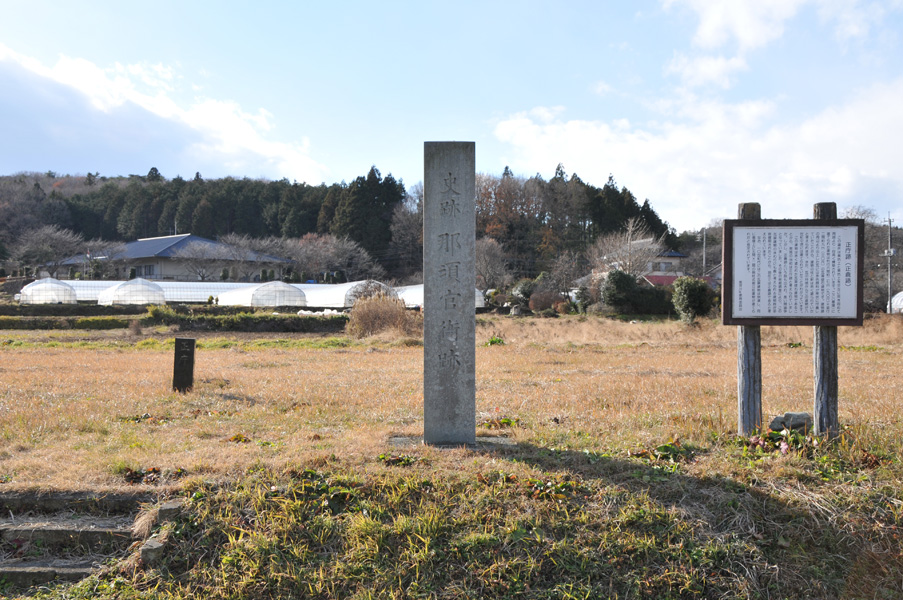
column 380, row 314
column 76, row 418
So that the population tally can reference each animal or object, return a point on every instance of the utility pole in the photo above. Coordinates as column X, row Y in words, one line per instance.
column 698, row 237
column 889, row 253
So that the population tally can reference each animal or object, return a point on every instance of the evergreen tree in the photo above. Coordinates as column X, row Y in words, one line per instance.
column 328, row 207
column 364, row 214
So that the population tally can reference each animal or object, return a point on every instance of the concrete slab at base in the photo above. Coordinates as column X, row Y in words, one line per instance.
column 481, row 443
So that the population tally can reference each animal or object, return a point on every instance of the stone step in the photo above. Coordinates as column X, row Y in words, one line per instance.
column 65, row 537
column 27, row 573
column 76, row 534
column 30, row 502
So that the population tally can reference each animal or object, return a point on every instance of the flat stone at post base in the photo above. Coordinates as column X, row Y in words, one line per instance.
column 792, row 421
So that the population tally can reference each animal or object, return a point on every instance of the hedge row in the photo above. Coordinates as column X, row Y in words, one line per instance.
column 92, row 323
column 263, row 323
column 68, row 310
column 246, row 322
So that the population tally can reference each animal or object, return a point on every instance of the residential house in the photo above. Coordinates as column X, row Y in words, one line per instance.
column 184, row 257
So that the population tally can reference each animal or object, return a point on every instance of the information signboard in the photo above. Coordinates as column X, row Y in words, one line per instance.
column 792, row 272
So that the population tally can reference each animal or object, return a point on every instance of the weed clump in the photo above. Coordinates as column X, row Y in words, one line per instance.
column 382, row 314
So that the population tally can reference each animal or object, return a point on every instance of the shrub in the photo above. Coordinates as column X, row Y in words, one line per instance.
column 542, row 300
column 692, row 298
column 652, row 301
column 497, row 298
column 618, row 290
column 378, row 314
column 160, row 314
column 621, row 293
column 100, row 323
column 522, row 291
column 563, row 307
column 584, row 298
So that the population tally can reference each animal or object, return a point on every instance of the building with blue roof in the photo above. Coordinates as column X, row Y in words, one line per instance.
column 185, row 257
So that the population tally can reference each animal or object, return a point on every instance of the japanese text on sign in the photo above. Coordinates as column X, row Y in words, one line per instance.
column 794, row 272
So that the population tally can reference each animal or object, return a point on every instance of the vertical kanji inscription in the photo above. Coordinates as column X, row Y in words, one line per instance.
column 449, row 396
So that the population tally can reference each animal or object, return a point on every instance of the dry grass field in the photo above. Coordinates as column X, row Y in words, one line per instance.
column 604, row 406
column 78, row 410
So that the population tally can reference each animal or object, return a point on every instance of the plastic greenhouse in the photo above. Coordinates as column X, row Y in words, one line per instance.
column 342, row 295
column 198, row 292
column 274, row 293
column 173, row 291
column 133, row 291
column 88, row 291
column 47, row 291
column 413, row 296
column 896, row 303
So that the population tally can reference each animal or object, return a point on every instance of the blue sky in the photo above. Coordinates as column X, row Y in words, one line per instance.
column 696, row 105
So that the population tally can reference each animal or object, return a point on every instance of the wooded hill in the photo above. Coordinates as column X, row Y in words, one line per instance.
column 534, row 220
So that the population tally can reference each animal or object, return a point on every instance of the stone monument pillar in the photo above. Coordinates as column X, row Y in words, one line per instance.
column 449, row 224
column 183, row 365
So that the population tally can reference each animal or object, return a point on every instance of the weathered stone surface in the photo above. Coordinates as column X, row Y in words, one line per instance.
column 54, row 536
column 169, row 510
column 152, row 552
column 25, row 574
column 449, row 382
column 83, row 502
column 792, row 420
column 53, row 531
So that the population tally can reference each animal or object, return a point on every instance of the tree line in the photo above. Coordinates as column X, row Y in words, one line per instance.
column 534, row 221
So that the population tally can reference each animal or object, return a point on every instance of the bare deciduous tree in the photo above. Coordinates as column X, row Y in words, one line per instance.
column 491, row 265
column 245, row 253
column 202, row 260
column 315, row 254
column 104, row 258
column 565, row 271
column 406, row 246
column 631, row 249
column 46, row 248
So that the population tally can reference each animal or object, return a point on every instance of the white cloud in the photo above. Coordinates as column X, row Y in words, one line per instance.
column 707, row 157
column 704, row 70
column 601, row 88
column 230, row 135
column 546, row 114
column 853, row 19
column 755, row 23
column 752, row 23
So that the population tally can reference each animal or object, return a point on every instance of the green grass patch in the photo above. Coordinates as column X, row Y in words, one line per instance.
column 870, row 348
column 420, row 533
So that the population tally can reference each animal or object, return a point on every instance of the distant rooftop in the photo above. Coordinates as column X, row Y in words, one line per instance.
column 169, row 246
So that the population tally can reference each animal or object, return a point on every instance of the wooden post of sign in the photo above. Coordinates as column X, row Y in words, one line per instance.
column 749, row 358
column 825, row 357
column 183, row 365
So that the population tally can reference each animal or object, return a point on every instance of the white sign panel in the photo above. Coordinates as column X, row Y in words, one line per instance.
column 795, row 272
